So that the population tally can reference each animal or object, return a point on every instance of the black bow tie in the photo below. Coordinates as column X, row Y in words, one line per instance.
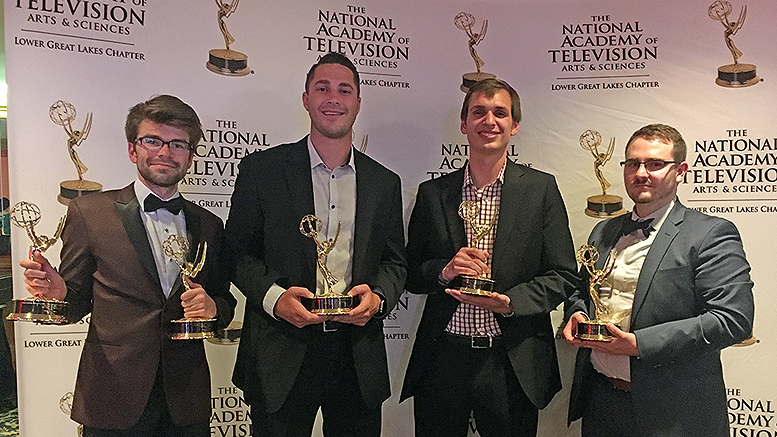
column 153, row 203
column 630, row 226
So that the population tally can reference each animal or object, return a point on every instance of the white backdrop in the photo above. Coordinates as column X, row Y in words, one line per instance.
column 610, row 66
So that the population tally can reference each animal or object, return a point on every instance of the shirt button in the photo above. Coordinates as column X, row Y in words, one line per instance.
column 333, row 207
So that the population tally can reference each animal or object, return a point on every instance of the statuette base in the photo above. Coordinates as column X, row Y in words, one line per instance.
column 474, row 285
column 192, row 329
column 330, row 304
column 39, row 310
column 469, row 79
column 737, row 76
column 593, row 330
column 69, row 190
column 604, row 206
column 227, row 62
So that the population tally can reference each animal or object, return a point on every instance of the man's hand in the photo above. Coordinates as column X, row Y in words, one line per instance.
column 290, row 309
column 571, row 329
column 41, row 279
column 467, row 261
column 625, row 343
column 196, row 302
column 369, row 304
column 497, row 303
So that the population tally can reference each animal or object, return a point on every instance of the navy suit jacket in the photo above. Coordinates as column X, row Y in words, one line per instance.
column 533, row 263
column 693, row 298
column 273, row 191
column 109, row 270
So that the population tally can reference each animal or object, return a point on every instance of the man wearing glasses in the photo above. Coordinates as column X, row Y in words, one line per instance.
column 683, row 278
column 133, row 380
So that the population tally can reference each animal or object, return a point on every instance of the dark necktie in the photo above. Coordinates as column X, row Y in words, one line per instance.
column 630, row 226
column 153, row 203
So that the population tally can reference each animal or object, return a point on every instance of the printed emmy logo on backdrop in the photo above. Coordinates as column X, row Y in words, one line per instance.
column 734, row 75
column 603, row 205
column 227, row 62
column 64, row 114
column 66, row 406
column 465, row 21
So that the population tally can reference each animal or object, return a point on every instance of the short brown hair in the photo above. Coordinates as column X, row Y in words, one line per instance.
column 665, row 133
column 333, row 58
column 489, row 87
column 168, row 110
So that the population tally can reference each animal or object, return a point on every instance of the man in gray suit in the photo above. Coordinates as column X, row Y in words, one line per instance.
column 684, row 279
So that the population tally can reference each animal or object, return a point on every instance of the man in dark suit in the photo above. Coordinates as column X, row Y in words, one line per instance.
column 133, row 380
column 491, row 355
column 683, row 281
column 292, row 362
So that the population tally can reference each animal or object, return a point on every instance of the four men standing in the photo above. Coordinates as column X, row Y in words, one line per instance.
column 681, row 275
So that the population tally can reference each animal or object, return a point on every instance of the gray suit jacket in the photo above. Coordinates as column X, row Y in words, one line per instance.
column 533, row 263
column 272, row 193
column 694, row 297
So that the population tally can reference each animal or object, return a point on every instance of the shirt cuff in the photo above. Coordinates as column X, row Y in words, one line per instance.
column 271, row 298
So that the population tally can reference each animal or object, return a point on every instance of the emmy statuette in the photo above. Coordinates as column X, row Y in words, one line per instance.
column 734, row 75
column 596, row 330
column 193, row 328
column 227, row 62
column 37, row 309
column 464, row 21
column 603, row 205
column 329, row 303
column 479, row 285
column 64, row 114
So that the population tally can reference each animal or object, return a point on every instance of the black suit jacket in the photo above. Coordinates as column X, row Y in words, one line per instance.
column 693, row 298
column 273, row 191
column 533, row 263
column 109, row 270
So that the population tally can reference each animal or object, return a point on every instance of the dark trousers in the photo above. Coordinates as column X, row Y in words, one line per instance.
column 327, row 380
column 463, row 380
column 155, row 421
column 609, row 412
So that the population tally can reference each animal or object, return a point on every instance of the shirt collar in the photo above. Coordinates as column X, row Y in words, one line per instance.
column 315, row 159
column 658, row 216
column 142, row 191
column 468, row 177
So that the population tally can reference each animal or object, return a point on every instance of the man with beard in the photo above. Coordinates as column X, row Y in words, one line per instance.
column 292, row 362
column 133, row 379
column 683, row 282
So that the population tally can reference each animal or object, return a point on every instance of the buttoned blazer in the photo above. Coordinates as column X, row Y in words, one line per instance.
column 273, row 191
column 693, row 298
column 110, row 272
column 533, row 264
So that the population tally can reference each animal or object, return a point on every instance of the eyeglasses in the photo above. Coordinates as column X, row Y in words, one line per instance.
column 154, row 145
column 651, row 165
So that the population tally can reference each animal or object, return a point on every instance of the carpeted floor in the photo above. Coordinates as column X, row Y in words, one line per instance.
column 9, row 423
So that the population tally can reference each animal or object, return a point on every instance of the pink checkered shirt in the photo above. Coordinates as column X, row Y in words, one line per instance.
column 468, row 319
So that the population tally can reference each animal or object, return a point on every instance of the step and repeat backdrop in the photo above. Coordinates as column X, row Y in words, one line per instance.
column 589, row 73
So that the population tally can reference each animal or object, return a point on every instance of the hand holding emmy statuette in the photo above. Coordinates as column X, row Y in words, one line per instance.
column 596, row 330
column 37, row 309
column 482, row 284
column 329, row 303
column 188, row 328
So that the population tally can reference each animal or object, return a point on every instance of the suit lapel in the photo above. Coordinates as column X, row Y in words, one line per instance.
column 610, row 235
column 669, row 230
column 450, row 198
column 510, row 205
column 367, row 203
column 299, row 183
column 128, row 209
